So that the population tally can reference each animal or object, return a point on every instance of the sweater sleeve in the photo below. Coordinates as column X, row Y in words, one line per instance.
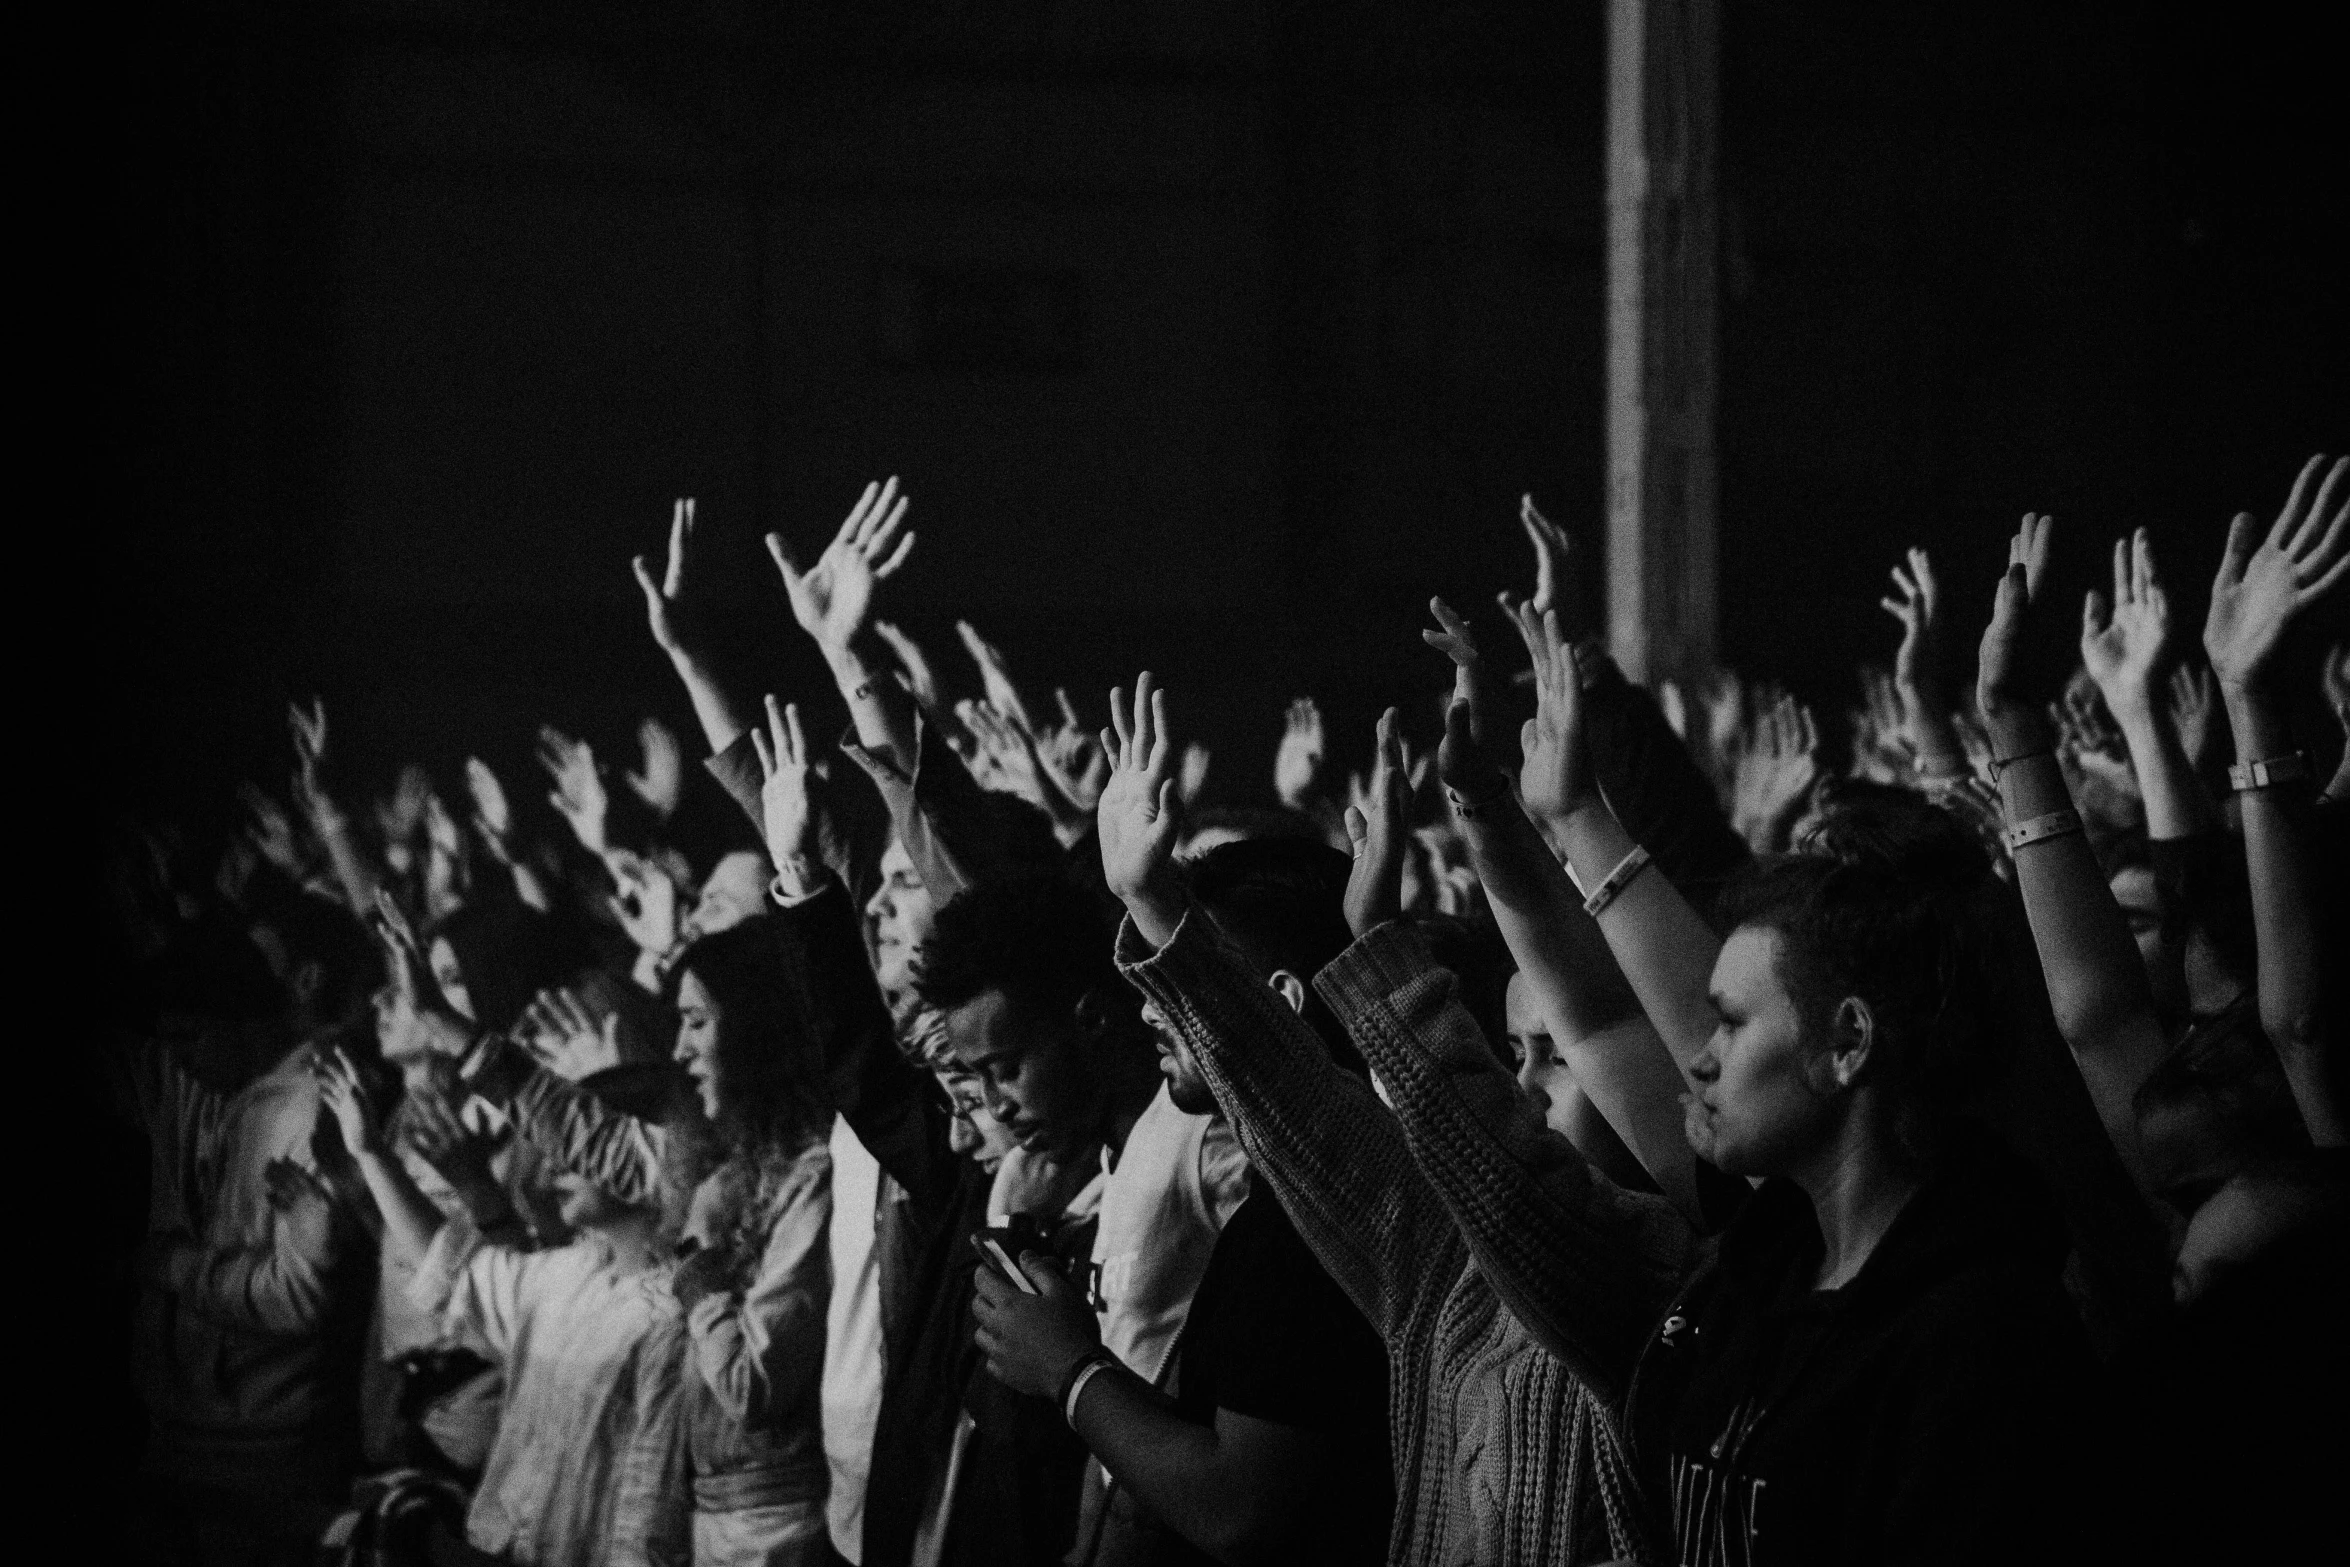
column 1335, row 1157
column 572, row 1127
column 280, row 1284
column 761, row 1351
column 1584, row 1264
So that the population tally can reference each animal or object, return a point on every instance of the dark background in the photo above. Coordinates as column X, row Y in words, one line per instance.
column 1208, row 337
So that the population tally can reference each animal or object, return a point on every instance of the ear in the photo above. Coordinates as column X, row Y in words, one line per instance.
column 1290, row 987
column 1852, row 1034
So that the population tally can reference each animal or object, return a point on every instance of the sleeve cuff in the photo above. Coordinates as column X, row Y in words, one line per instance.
column 1381, row 962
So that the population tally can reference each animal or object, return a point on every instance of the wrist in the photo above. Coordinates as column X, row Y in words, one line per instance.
column 2014, row 731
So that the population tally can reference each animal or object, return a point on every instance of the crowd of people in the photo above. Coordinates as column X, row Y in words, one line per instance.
column 1640, row 1129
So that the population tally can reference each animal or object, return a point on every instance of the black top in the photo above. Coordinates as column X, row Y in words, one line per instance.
column 1940, row 1407
column 1271, row 1336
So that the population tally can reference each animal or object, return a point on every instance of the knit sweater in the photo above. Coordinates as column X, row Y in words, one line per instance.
column 1505, row 1452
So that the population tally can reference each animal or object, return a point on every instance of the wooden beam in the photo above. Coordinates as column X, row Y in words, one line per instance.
column 1662, row 115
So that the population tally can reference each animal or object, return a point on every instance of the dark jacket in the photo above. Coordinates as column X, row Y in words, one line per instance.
column 1937, row 1408
column 1016, row 1502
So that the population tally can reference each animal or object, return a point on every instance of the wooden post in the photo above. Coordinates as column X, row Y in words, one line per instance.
column 1662, row 113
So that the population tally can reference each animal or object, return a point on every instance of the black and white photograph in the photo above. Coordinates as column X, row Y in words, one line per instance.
column 1018, row 783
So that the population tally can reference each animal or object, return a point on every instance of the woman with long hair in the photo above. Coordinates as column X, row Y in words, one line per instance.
column 756, row 1277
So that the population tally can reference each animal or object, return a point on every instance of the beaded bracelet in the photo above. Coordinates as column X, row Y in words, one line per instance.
column 1617, row 880
column 2288, row 768
column 2039, row 829
column 1469, row 810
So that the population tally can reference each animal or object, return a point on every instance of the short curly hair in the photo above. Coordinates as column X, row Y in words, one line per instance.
column 1038, row 939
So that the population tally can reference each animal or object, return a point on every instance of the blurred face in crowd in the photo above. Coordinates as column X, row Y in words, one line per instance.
column 1547, row 1083
column 900, row 913
column 2188, row 975
column 1755, row 1111
column 1036, row 1072
column 736, row 890
column 450, row 977
column 699, row 1018
column 974, row 1133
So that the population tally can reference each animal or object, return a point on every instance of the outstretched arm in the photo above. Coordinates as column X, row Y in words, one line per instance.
column 1921, row 671
column 1607, row 1041
column 2096, row 982
column 410, row 1219
column 2256, row 596
column 1334, row 1155
column 2126, row 648
column 674, row 617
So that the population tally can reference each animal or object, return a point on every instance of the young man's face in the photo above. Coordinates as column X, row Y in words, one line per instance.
column 1036, row 1073
column 974, row 1134
column 1547, row 1082
column 901, row 913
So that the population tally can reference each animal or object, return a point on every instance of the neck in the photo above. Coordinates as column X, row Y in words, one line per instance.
column 1858, row 1179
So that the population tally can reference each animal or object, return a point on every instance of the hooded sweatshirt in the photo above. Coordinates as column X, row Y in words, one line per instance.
column 1936, row 1408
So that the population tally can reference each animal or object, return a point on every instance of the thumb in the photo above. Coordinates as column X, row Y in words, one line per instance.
column 1358, row 831
column 1046, row 1275
column 784, row 563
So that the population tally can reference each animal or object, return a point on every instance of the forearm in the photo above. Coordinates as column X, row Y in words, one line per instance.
column 2176, row 804
column 1223, row 1502
column 272, row 1288
column 881, row 709
column 2278, row 850
column 410, row 1219
column 352, row 872
column 1584, row 1264
column 1594, row 1016
column 2097, row 986
column 724, row 713
column 1660, row 943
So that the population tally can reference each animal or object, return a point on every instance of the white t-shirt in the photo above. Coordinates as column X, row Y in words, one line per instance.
column 852, row 1339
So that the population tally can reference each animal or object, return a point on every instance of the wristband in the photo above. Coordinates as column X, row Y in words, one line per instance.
column 2000, row 764
column 2039, row 829
column 1618, row 879
column 1093, row 1360
column 785, row 893
column 1944, row 768
column 2288, row 768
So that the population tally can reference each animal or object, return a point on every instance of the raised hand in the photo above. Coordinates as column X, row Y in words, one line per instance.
column 661, row 783
column 1010, row 753
column 2262, row 587
column 1551, row 547
column 669, row 612
column 2003, row 679
column 1139, row 815
column 786, row 800
column 271, row 831
column 1297, row 763
column 1555, row 780
column 459, row 1153
column 447, row 873
column 569, row 1038
column 1919, row 665
column 1073, row 757
column 2336, row 675
column 2124, row 644
column 994, row 677
column 921, row 682
column 493, row 817
column 833, row 599
column 579, row 795
column 1377, row 830
column 311, row 798
column 1462, row 764
column 357, row 1121
column 1775, row 773
column 646, row 903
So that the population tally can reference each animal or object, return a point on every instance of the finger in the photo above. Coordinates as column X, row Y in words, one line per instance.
column 1170, row 798
column 778, row 733
column 1123, row 752
column 2325, row 494
column 2143, row 582
column 2293, row 518
column 795, row 734
column 1161, row 732
column 2310, row 594
column 1067, row 707
column 1922, row 567
column 681, row 517
column 1453, row 625
column 2122, row 580
column 1358, row 831
column 782, row 556
column 1900, row 612
column 2093, row 614
column 866, row 499
column 2238, row 549
column 766, row 753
